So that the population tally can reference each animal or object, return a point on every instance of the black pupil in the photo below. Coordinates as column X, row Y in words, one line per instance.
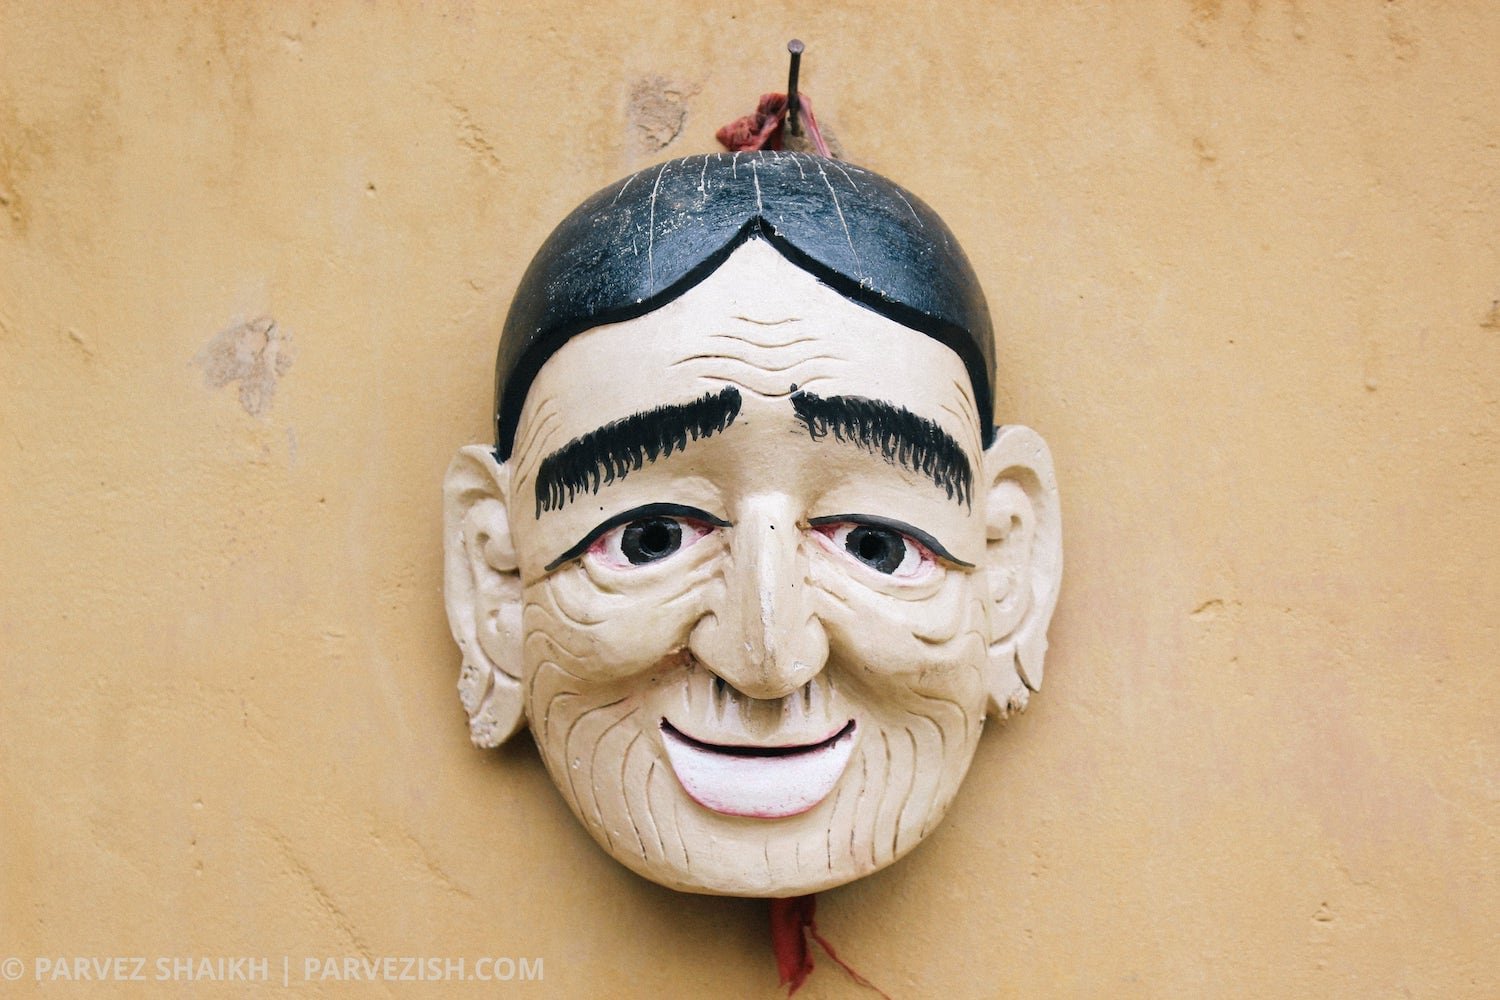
column 650, row 539
column 879, row 548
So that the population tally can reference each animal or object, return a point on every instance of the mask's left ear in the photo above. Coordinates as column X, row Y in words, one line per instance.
column 482, row 589
column 1023, row 557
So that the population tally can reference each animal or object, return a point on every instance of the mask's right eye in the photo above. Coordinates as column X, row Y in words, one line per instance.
column 649, row 540
column 643, row 535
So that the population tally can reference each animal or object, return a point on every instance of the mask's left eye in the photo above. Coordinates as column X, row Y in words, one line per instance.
column 890, row 547
column 648, row 540
column 642, row 536
column 886, row 550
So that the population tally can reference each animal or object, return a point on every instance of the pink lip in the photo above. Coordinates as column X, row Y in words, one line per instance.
column 760, row 782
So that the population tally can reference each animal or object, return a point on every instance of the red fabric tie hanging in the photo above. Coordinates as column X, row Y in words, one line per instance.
column 792, row 924
column 764, row 128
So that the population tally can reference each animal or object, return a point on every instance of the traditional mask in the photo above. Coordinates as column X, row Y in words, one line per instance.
column 748, row 556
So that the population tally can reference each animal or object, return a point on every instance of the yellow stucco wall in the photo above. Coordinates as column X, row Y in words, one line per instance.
column 1244, row 259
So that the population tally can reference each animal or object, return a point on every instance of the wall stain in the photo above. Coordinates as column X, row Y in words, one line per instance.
column 23, row 149
column 1205, row 151
column 473, row 138
column 1203, row 10
column 657, row 110
column 1401, row 32
column 1210, row 608
column 255, row 354
column 81, row 342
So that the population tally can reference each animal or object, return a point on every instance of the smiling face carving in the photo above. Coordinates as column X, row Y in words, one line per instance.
column 752, row 578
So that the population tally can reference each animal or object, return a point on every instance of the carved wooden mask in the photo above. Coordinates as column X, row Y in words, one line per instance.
column 749, row 557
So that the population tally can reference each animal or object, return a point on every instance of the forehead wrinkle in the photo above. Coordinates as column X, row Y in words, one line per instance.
column 769, row 379
column 966, row 413
column 752, row 342
column 768, row 322
column 971, row 433
column 541, row 428
column 758, row 366
column 762, row 392
column 757, row 361
column 543, row 415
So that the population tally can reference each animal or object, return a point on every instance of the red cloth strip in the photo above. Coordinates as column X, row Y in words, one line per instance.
column 789, row 917
column 792, row 924
column 762, row 129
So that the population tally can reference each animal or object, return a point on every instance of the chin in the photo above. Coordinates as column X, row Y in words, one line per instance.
column 888, row 798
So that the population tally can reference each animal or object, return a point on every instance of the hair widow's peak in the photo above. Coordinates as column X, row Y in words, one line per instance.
column 649, row 238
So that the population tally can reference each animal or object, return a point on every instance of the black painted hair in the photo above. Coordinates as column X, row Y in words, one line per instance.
column 647, row 239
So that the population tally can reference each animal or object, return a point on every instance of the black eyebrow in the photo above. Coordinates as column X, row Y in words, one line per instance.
column 621, row 446
column 894, row 433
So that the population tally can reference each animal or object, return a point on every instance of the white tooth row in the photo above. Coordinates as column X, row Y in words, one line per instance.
column 758, row 787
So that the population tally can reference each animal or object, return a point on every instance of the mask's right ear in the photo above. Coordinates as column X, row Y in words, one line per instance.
column 482, row 589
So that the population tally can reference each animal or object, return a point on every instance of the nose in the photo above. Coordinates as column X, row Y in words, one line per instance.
column 762, row 637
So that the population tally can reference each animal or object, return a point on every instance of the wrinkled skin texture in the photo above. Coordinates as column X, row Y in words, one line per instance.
column 761, row 625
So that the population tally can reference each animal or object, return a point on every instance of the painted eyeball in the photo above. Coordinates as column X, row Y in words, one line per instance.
column 647, row 540
column 883, row 549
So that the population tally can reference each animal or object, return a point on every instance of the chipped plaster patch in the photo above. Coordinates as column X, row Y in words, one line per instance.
column 657, row 110
column 255, row 354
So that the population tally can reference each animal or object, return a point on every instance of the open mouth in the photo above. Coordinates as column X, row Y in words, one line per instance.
column 763, row 782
